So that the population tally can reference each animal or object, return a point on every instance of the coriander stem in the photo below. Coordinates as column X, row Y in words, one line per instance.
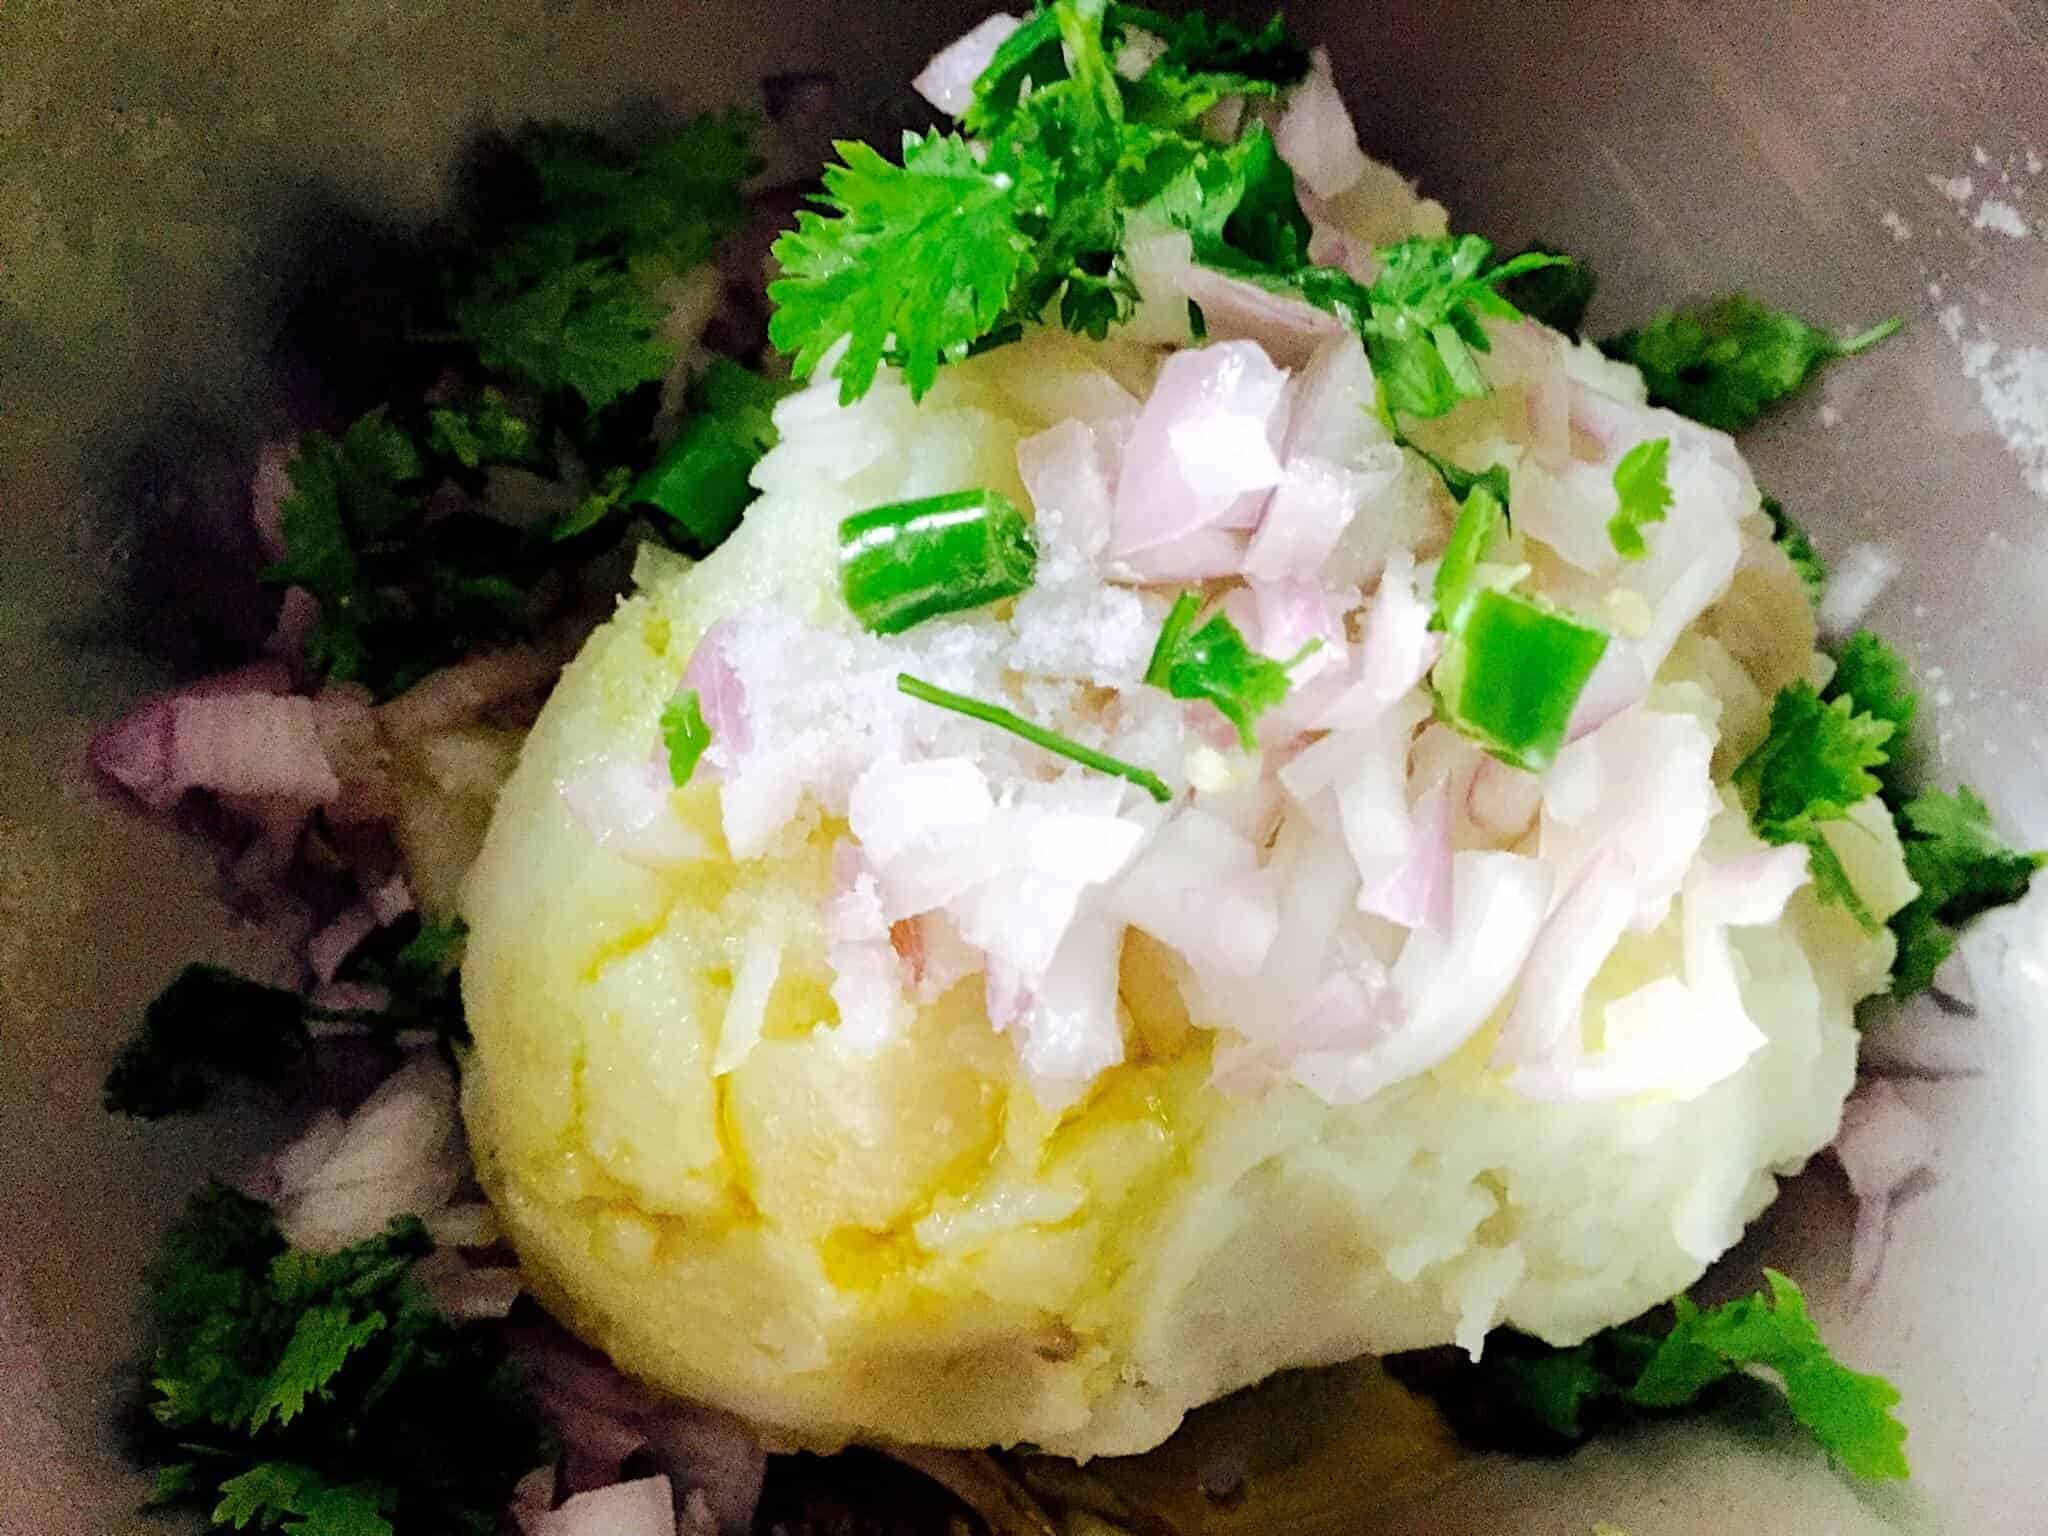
column 1037, row 735
column 1869, row 338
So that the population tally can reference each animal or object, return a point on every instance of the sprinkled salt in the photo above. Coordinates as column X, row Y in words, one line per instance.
column 1996, row 214
column 2034, row 163
column 1977, row 154
column 1901, row 230
column 2012, row 382
column 1830, row 417
column 1857, row 581
column 1956, row 189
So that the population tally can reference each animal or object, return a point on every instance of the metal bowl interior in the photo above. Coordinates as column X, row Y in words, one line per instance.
column 167, row 167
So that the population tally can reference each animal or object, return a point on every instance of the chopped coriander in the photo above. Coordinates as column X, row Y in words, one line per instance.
column 1556, row 296
column 914, row 261
column 1814, row 766
column 1963, row 867
column 483, row 430
column 700, row 481
column 1728, row 362
column 1421, row 318
column 1037, row 735
column 207, row 1027
column 569, row 303
column 1205, row 60
column 1521, row 1392
column 1876, row 677
column 909, row 561
column 1214, row 663
column 593, row 506
column 1806, row 560
column 684, row 734
column 322, row 1394
column 1642, row 488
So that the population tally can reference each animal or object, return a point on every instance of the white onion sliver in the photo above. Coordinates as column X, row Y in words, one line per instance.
column 947, row 82
column 1855, row 582
column 1315, row 135
column 643, row 1507
column 627, row 805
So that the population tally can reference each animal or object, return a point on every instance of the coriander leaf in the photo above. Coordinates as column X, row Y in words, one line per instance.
column 321, row 1394
column 1029, row 56
column 1038, row 735
column 1790, row 537
column 1642, row 488
column 570, row 301
column 321, row 1342
column 1265, row 221
column 1874, row 675
column 584, row 327
column 596, row 504
column 1421, row 322
column 1556, row 296
column 207, row 1028
column 1214, row 663
column 268, row 1497
column 1848, row 1411
column 1963, row 868
column 915, row 261
column 483, row 430
column 1557, row 1388
column 1816, row 763
column 1204, row 60
column 1728, row 362
column 684, row 734
column 1630, row 1372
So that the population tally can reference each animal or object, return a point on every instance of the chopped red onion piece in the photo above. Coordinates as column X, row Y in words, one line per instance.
column 713, row 1454
column 947, row 82
column 248, row 743
column 1315, row 136
column 1884, row 1144
column 1200, row 443
column 721, row 697
column 463, row 693
column 627, row 805
column 1063, row 471
column 1233, row 309
column 643, row 1507
column 1314, row 504
column 1416, row 893
column 1198, row 888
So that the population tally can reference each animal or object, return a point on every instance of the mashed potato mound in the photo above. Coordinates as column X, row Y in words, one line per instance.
column 907, row 1244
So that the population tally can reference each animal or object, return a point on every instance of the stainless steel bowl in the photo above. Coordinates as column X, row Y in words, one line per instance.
column 166, row 165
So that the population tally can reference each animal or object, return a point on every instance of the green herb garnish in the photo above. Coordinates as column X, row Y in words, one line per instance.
column 1037, row 735
column 684, row 734
column 1815, row 765
column 484, row 430
column 1963, row 867
column 569, row 303
column 1214, row 663
column 1520, row 1387
column 1728, row 362
column 910, row 561
column 1642, row 488
column 1806, row 560
column 322, row 1394
column 1557, row 295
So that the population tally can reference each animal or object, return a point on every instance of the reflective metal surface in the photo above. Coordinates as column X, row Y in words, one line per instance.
column 165, row 168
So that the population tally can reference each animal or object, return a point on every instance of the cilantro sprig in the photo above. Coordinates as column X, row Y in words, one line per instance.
column 1963, row 868
column 323, row 1394
column 1789, row 536
column 569, row 302
column 1522, row 1393
column 684, row 735
column 211, row 1027
column 1214, row 663
column 1817, row 763
column 1728, row 362
column 1642, row 489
